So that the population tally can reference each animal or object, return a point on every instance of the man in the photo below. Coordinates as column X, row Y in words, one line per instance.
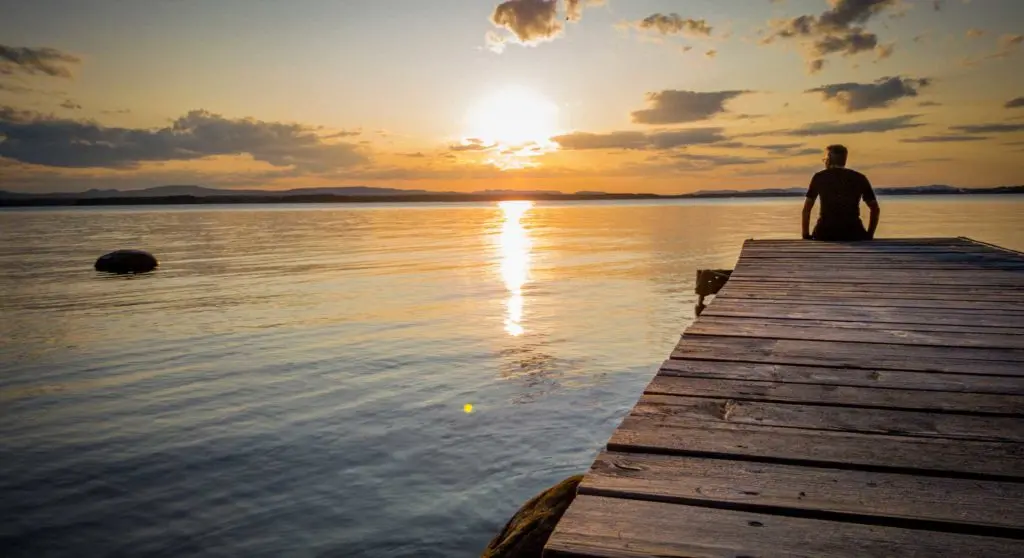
column 841, row 190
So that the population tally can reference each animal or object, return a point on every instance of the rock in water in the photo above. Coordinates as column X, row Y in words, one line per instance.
column 126, row 261
column 525, row 535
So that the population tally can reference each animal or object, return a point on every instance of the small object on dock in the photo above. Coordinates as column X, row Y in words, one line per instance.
column 126, row 261
column 838, row 399
column 709, row 282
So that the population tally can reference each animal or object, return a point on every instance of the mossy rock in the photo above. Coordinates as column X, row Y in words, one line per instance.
column 525, row 535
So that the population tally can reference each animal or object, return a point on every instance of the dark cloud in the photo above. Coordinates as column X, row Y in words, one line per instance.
column 50, row 141
column 929, row 104
column 1015, row 103
column 533, row 21
column 853, row 97
column 45, row 61
column 70, row 105
column 944, row 139
column 993, row 128
column 673, row 106
column 874, row 125
column 472, row 144
column 670, row 24
column 636, row 140
column 838, row 30
column 574, row 8
column 15, row 88
column 717, row 160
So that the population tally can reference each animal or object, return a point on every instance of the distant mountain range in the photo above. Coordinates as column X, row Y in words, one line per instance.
column 178, row 194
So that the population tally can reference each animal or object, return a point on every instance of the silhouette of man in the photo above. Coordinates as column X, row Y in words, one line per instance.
column 841, row 190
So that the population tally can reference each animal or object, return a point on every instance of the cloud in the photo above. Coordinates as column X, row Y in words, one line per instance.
column 711, row 53
column 672, row 106
column 883, row 92
column 671, row 24
column 874, row 125
column 838, row 30
column 472, row 144
column 50, row 141
column 637, row 140
column 884, row 51
column 531, row 22
column 717, row 160
column 15, row 88
column 944, row 139
column 70, row 105
column 574, row 8
column 929, row 104
column 993, row 128
column 116, row 111
column 974, row 33
column 1015, row 103
column 46, row 61
column 937, row 5
column 1006, row 46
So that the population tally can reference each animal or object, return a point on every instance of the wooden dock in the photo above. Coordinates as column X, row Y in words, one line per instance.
column 854, row 399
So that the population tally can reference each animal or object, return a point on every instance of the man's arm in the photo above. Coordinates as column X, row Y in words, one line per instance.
column 875, row 212
column 872, row 202
column 805, row 217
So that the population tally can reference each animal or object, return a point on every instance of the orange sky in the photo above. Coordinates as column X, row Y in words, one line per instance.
column 642, row 96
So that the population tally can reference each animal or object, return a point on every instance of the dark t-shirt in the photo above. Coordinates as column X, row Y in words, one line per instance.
column 841, row 190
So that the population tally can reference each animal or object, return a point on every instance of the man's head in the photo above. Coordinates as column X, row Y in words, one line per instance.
column 835, row 156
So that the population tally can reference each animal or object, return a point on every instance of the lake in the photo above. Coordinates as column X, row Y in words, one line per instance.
column 346, row 380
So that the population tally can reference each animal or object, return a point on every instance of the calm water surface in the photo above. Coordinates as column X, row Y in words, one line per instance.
column 293, row 381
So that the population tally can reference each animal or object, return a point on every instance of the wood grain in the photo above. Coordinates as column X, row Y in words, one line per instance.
column 624, row 528
column 838, row 376
column 752, row 485
column 821, row 330
column 843, row 396
column 756, row 309
column 1006, row 362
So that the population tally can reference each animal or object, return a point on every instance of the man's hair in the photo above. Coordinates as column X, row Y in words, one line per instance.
column 837, row 154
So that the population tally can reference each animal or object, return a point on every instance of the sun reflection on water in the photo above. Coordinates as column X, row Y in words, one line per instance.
column 514, row 243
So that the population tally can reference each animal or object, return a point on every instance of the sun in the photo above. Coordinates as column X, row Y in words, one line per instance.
column 513, row 117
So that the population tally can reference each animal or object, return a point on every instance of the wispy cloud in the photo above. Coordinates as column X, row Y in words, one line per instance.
column 46, row 140
column 636, row 140
column 46, row 61
column 1015, row 103
column 991, row 128
column 944, row 139
column 853, row 97
column 673, row 106
column 670, row 24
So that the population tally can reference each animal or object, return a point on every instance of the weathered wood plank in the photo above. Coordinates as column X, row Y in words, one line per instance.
column 723, row 413
column 624, row 528
column 826, row 376
column 819, row 330
column 989, row 277
column 692, row 480
column 755, row 309
column 917, row 290
column 847, row 450
column 899, row 300
column 850, row 396
column 1003, row 362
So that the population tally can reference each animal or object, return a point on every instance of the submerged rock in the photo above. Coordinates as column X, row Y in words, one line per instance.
column 525, row 535
column 126, row 261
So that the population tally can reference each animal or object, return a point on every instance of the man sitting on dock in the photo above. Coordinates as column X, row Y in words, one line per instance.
column 841, row 190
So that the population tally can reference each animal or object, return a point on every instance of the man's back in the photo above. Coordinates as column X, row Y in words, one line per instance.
column 841, row 191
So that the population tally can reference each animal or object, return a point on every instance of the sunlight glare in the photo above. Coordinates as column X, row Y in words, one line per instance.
column 515, row 245
column 518, row 123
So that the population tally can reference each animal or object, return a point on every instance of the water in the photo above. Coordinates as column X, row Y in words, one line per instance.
column 294, row 380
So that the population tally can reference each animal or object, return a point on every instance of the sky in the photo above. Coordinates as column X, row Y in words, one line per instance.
column 660, row 96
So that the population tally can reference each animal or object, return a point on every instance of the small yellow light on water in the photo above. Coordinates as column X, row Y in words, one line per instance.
column 468, row 408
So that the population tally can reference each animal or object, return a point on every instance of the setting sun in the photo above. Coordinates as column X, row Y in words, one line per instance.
column 513, row 117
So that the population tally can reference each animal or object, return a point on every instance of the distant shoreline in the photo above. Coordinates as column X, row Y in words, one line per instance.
column 29, row 201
